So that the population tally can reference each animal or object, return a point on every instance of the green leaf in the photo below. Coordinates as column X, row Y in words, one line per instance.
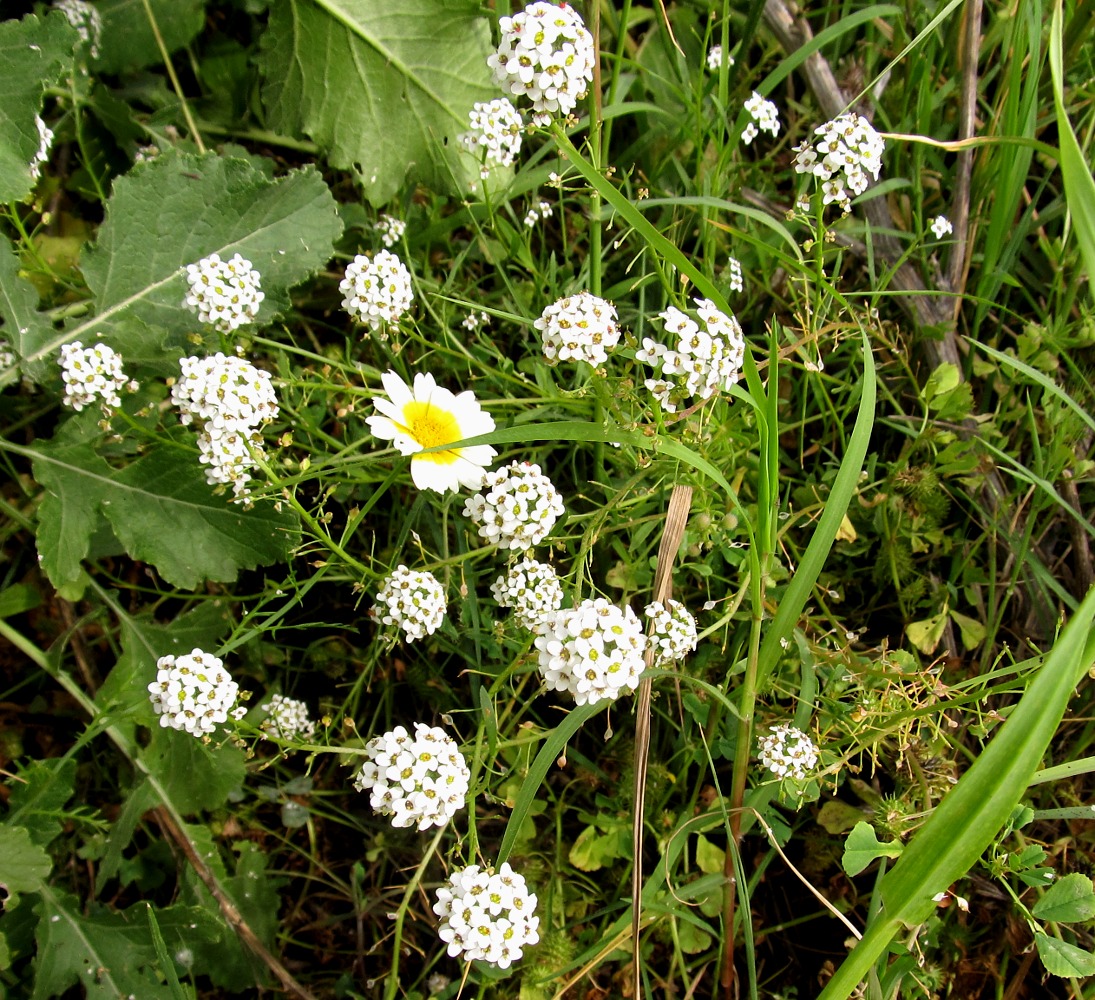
column 941, row 381
column 972, row 631
column 837, row 816
column 24, row 865
column 709, row 858
column 1075, row 168
column 160, row 508
column 33, row 54
column 38, row 795
column 592, row 850
column 1068, row 901
column 193, row 775
column 128, row 41
column 863, row 846
column 1063, row 959
column 17, row 598
column 408, row 74
column 24, row 328
column 110, row 954
column 925, row 634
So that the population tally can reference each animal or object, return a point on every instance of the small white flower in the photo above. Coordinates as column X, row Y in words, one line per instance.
column 224, row 294
column 673, row 631
column 531, row 589
column 531, row 217
column 377, row 291
column 715, row 58
column 788, row 752
column 516, row 507
column 593, row 652
column 737, row 281
column 419, row 780
column 193, row 693
column 45, row 141
column 546, row 55
column 412, row 600
column 473, row 321
column 391, row 229
column 494, row 134
column 487, row 915
column 941, row 226
column 846, row 151
column 765, row 117
column 427, row 416
column 232, row 401
column 86, row 20
column 289, row 719
column 7, row 355
column 90, row 374
column 579, row 327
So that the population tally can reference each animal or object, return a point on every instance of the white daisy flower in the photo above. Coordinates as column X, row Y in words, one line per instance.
column 426, row 416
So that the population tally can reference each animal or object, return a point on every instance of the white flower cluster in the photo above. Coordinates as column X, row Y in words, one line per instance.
column 390, row 228
column 517, row 507
column 765, row 117
column 473, row 321
column 413, row 600
column 542, row 210
column 93, row 373
column 531, row 589
column 487, row 916
column 86, row 20
column 594, row 651
column 7, row 355
column 715, row 58
column 704, row 362
column 788, row 752
column 737, row 279
column 193, row 693
column 419, row 780
column 45, row 140
column 494, row 133
column 224, row 294
column 673, row 631
column 289, row 719
column 232, row 399
column 847, row 150
column 377, row 290
column 579, row 327
column 941, row 226
column 546, row 55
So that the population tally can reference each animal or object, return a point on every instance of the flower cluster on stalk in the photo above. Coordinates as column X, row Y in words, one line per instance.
column 411, row 600
column 486, row 915
column 377, row 291
column 516, row 507
column 846, row 154
column 703, row 362
column 289, row 720
column 391, row 229
column 193, row 693
column 420, row 780
column 531, row 589
column 231, row 400
column 226, row 294
column 546, row 55
column 494, row 133
column 765, row 118
column 87, row 21
column 579, row 327
column 672, row 631
column 92, row 374
column 788, row 752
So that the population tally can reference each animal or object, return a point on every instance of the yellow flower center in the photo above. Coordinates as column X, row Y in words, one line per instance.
column 431, row 426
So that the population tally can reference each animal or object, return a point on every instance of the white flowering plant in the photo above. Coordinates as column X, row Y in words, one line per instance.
column 592, row 504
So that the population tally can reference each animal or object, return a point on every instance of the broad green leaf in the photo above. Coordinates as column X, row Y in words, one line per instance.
column 109, row 954
column 17, row 598
column 863, row 846
column 710, row 858
column 926, row 634
column 592, row 850
column 1068, row 901
column 407, row 75
column 972, row 813
column 1063, row 959
column 38, row 795
column 160, row 508
column 1075, row 168
column 192, row 775
column 128, row 40
column 24, row 328
column 837, row 816
column 972, row 631
column 33, row 54
column 24, row 865
column 183, row 207
column 941, row 381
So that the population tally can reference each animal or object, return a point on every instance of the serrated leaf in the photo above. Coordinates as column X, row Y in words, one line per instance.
column 33, row 53
column 108, row 953
column 1067, row 901
column 863, row 846
column 38, row 795
column 193, row 775
column 408, row 74
column 1063, row 959
column 161, row 509
column 182, row 207
column 24, row 865
column 128, row 41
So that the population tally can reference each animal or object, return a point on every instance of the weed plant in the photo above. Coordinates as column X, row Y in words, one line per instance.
column 587, row 501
